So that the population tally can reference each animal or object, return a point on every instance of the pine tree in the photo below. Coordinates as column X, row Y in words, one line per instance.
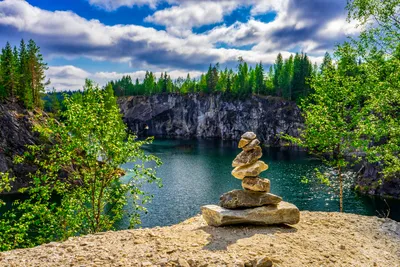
column 297, row 84
column 278, row 67
column 8, row 71
column 259, row 78
column 36, row 75
column 285, row 78
column 55, row 102
column 326, row 63
column 211, row 79
column 23, row 86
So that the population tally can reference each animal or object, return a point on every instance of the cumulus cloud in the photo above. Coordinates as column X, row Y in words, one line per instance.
column 111, row 5
column 180, row 19
column 66, row 77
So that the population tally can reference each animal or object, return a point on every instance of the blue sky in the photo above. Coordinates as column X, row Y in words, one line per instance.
column 105, row 39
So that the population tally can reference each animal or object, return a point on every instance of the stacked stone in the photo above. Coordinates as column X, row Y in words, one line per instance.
column 254, row 204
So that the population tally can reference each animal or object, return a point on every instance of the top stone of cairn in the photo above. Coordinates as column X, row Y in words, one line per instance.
column 249, row 136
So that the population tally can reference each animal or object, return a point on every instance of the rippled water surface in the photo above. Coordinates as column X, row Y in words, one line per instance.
column 197, row 172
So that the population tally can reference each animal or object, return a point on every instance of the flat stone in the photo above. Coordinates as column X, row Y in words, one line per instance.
column 283, row 213
column 239, row 199
column 252, row 170
column 243, row 142
column 249, row 136
column 253, row 144
column 256, row 184
column 247, row 157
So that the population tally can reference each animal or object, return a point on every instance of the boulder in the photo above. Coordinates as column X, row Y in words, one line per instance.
column 247, row 157
column 243, row 142
column 252, row 170
column 256, row 184
column 253, row 144
column 283, row 213
column 249, row 136
column 239, row 199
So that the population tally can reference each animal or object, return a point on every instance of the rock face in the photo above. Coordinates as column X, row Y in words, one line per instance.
column 211, row 116
column 254, row 204
column 256, row 184
column 284, row 212
column 237, row 199
column 15, row 133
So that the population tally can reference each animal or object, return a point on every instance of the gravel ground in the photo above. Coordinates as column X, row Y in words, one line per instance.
column 320, row 239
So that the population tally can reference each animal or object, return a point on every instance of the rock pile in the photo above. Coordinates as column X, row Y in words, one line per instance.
column 254, row 204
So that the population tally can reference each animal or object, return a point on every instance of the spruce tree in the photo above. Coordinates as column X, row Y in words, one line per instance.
column 278, row 67
column 36, row 75
column 23, row 86
column 326, row 63
column 259, row 78
column 8, row 71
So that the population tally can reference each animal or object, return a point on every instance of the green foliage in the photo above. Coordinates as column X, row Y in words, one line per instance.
column 77, row 188
column 22, row 74
column 355, row 107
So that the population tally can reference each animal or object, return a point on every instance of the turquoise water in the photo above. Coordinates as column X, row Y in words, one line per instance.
column 197, row 172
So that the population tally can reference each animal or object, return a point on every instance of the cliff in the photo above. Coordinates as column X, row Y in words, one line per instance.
column 320, row 239
column 15, row 134
column 211, row 116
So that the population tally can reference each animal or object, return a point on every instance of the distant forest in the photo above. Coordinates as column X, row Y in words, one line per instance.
column 287, row 78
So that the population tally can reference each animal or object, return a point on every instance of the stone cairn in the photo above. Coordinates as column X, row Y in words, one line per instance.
column 254, row 204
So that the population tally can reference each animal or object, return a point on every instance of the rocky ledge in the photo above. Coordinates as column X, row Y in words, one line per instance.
column 319, row 239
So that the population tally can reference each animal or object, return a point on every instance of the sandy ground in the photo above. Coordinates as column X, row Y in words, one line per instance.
column 320, row 239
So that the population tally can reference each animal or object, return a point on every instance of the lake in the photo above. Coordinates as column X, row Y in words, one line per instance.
column 197, row 172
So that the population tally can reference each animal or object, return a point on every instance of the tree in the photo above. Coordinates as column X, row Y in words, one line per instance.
column 242, row 87
column 259, row 78
column 8, row 71
column 212, row 78
column 278, row 67
column 381, row 23
column 285, row 78
column 55, row 103
column 355, row 108
column 331, row 119
column 327, row 63
column 109, row 99
column 23, row 86
column 36, row 73
column 378, row 47
column 86, row 150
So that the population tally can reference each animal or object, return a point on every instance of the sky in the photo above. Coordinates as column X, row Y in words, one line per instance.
column 106, row 39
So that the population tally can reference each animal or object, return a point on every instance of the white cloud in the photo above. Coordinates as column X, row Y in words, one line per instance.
column 111, row 5
column 339, row 26
column 180, row 19
column 66, row 77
